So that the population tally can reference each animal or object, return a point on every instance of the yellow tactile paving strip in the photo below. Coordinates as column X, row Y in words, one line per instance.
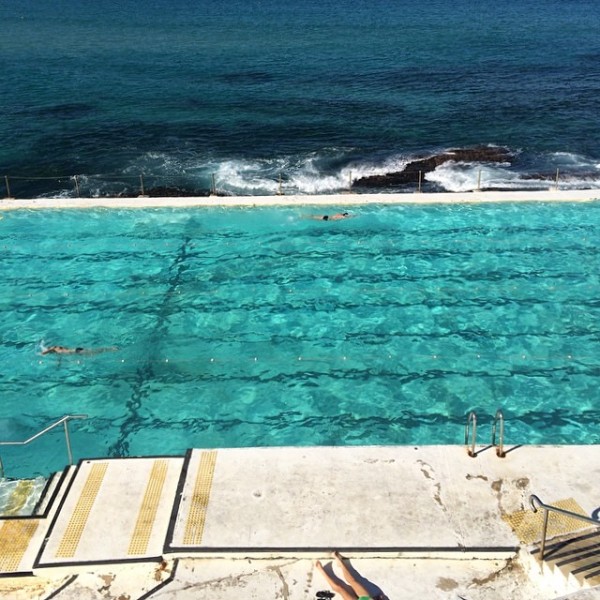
column 528, row 525
column 194, row 527
column 147, row 515
column 72, row 535
column 15, row 536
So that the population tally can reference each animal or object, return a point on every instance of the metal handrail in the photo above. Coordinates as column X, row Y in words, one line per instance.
column 500, row 448
column 63, row 420
column 472, row 417
column 536, row 503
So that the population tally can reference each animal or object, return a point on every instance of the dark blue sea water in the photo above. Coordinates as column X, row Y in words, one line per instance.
column 317, row 92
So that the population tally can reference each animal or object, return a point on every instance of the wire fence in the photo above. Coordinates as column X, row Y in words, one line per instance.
column 156, row 185
column 16, row 186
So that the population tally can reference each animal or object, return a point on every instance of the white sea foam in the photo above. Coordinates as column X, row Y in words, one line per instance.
column 331, row 170
column 463, row 177
column 299, row 174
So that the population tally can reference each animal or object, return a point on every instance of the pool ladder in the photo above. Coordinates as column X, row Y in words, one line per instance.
column 471, row 433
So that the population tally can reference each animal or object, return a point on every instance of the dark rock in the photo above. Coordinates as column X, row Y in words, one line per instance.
column 166, row 192
column 424, row 165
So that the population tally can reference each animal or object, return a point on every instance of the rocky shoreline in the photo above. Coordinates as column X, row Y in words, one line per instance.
column 416, row 170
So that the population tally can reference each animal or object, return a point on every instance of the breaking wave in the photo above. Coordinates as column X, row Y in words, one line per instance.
column 332, row 170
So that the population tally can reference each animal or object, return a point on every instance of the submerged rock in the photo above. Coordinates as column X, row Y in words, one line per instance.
column 410, row 173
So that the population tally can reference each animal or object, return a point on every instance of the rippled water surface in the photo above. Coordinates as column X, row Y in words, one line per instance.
column 259, row 327
column 317, row 92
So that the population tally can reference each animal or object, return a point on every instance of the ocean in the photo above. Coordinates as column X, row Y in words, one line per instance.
column 296, row 97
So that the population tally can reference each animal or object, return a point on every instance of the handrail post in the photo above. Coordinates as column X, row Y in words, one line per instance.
column 472, row 417
column 500, row 448
column 533, row 501
column 544, row 531
column 68, row 441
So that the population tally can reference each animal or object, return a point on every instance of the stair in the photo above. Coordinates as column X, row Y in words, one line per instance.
column 22, row 535
column 574, row 558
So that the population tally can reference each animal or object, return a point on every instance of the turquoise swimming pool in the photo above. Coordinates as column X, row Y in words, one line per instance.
column 261, row 327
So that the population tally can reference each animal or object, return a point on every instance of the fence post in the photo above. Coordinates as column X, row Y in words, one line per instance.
column 213, row 187
column 8, row 196
column 76, row 185
column 557, row 179
column 420, row 176
column 142, row 191
column 479, row 180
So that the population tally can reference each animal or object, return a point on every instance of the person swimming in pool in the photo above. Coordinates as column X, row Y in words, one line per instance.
column 335, row 217
column 61, row 350
column 359, row 592
column 78, row 350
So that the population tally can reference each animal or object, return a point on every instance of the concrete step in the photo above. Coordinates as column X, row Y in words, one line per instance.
column 22, row 536
column 114, row 511
column 304, row 501
column 576, row 557
column 587, row 594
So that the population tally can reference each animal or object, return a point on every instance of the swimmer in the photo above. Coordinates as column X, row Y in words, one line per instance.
column 61, row 350
column 65, row 350
column 335, row 217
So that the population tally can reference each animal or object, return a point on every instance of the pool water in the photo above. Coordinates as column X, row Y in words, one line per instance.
column 19, row 497
column 263, row 327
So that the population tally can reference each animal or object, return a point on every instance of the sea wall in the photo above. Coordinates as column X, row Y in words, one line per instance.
column 331, row 200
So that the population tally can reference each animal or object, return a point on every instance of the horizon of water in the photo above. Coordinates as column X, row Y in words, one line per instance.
column 264, row 327
column 317, row 93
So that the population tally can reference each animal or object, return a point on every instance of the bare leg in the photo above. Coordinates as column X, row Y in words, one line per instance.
column 356, row 586
column 334, row 584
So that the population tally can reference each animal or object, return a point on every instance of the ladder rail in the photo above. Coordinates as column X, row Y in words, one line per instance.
column 472, row 417
column 471, row 434
column 499, row 418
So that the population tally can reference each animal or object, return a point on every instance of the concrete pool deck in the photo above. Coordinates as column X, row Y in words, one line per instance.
column 419, row 522
column 346, row 200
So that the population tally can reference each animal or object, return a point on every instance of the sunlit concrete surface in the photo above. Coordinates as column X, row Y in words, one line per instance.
column 332, row 200
column 417, row 522
column 115, row 510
